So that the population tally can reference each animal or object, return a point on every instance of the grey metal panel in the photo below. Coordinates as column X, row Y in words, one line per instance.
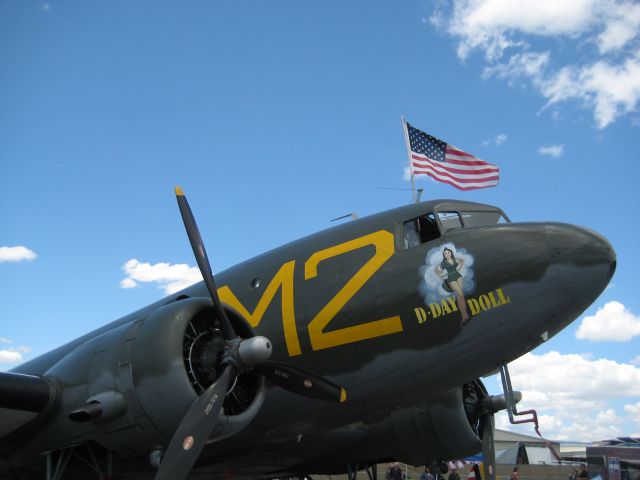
column 11, row 419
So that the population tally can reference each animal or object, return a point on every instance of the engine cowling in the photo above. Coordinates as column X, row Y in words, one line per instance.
column 129, row 388
column 438, row 429
column 175, row 358
column 444, row 427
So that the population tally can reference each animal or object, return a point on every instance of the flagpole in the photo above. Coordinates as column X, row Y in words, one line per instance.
column 406, row 141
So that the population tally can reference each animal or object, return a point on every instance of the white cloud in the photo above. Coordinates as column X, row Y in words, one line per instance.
column 610, row 89
column 46, row 6
column 621, row 28
column 498, row 140
column 16, row 254
column 585, row 428
column 572, row 380
column 12, row 355
column 613, row 322
column 636, row 360
column 634, row 413
column 571, row 393
column 489, row 25
column 605, row 79
column 554, row 151
column 128, row 283
column 436, row 19
column 527, row 64
column 170, row 278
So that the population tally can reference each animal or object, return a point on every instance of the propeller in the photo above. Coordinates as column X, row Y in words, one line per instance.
column 240, row 355
column 197, row 245
column 480, row 408
column 300, row 381
column 194, row 429
column 488, row 448
column 491, row 404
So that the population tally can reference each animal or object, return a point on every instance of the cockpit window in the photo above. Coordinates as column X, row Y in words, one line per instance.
column 423, row 229
column 419, row 230
column 479, row 219
column 449, row 220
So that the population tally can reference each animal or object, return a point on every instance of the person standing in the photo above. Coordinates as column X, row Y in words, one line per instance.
column 584, row 474
column 515, row 475
column 427, row 475
column 394, row 472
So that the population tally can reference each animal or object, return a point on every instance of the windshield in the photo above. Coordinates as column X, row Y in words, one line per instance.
column 479, row 219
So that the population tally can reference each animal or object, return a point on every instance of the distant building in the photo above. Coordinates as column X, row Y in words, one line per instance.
column 617, row 459
column 516, row 448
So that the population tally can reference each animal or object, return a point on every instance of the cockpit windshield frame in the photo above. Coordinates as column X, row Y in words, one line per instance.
column 450, row 219
column 446, row 216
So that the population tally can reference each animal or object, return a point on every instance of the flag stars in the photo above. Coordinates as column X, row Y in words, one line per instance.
column 424, row 143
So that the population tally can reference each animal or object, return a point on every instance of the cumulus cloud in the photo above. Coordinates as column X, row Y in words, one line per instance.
column 610, row 89
column 606, row 76
column 636, row 360
column 554, row 151
column 633, row 411
column 573, row 380
column 571, row 393
column 582, row 429
column 170, row 278
column 12, row 355
column 613, row 323
column 16, row 254
column 620, row 27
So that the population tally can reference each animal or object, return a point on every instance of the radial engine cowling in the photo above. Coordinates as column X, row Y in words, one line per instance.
column 174, row 359
column 436, row 430
column 446, row 426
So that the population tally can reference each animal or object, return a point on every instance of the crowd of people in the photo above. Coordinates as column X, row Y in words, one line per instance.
column 394, row 472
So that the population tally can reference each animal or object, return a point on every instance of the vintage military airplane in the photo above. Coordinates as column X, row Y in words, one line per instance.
column 379, row 330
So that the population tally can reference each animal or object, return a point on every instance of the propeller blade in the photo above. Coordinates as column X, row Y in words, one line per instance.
column 197, row 245
column 191, row 435
column 300, row 381
column 488, row 448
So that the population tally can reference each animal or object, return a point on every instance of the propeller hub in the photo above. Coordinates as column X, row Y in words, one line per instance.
column 254, row 350
column 495, row 403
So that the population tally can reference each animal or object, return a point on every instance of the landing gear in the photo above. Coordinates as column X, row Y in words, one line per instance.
column 58, row 461
column 370, row 468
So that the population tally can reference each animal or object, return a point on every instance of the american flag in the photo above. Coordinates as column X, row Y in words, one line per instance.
column 448, row 164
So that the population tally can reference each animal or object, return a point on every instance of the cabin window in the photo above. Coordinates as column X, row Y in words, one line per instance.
column 449, row 220
column 479, row 219
column 419, row 230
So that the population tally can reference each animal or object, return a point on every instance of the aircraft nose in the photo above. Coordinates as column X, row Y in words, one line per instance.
column 585, row 260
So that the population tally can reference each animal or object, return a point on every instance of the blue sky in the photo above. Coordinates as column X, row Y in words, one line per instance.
column 280, row 116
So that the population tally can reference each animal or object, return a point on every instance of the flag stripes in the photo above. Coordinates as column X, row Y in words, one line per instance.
column 448, row 164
